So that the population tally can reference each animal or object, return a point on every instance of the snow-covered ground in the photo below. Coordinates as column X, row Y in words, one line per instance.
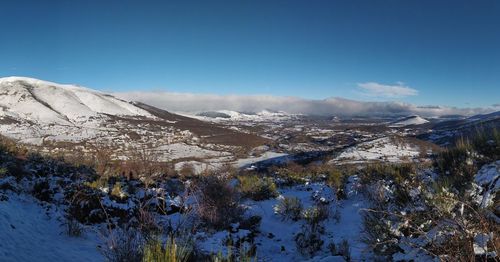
column 267, row 156
column 30, row 232
column 276, row 242
column 382, row 149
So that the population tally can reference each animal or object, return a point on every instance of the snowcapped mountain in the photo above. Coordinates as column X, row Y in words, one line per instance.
column 409, row 121
column 44, row 102
column 42, row 113
column 264, row 115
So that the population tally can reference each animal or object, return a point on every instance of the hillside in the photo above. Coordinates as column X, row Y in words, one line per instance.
column 409, row 121
column 56, row 117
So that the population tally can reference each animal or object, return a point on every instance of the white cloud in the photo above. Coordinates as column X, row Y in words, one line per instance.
column 187, row 102
column 389, row 91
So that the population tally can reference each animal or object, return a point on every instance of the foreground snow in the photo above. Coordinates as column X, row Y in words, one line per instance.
column 31, row 232
column 275, row 242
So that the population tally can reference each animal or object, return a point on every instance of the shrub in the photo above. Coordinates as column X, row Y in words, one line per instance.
column 378, row 233
column 243, row 254
column 251, row 223
column 147, row 225
column 117, row 191
column 85, row 205
column 314, row 215
column 342, row 249
column 3, row 172
column 155, row 251
column 123, row 245
column 187, row 170
column 396, row 172
column 487, row 143
column 73, row 227
column 289, row 208
column 292, row 174
column 42, row 191
column 99, row 183
column 218, row 202
column 257, row 188
column 308, row 241
column 457, row 164
column 336, row 180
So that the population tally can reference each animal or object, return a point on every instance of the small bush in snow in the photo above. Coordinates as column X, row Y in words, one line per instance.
column 218, row 202
column 337, row 180
column 308, row 241
column 394, row 172
column 42, row 191
column 289, row 208
column 156, row 251
column 257, row 188
column 118, row 192
column 124, row 245
column 100, row 183
column 378, row 234
column 457, row 164
column 3, row 172
column 314, row 215
column 73, row 227
column 342, row 249
column 243, row 253
column 251, row 223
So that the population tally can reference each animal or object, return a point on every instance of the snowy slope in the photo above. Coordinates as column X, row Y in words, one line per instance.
column 30, row 234
column 50, row 103
column 382, row 149
column 412, row 120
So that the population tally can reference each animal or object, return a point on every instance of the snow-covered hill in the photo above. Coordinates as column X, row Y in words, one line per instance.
column 58, row 117
column 44, row 102
column 409, row 121
column 229, row 115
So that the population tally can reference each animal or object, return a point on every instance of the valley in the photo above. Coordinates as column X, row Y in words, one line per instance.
column 115, row 177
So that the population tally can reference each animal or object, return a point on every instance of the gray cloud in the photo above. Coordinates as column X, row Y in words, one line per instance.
column 187, row 102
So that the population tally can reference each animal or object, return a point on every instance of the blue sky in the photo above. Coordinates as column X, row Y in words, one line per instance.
column 421, row 52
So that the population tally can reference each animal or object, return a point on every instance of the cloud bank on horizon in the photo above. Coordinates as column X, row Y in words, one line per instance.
column 189, row 102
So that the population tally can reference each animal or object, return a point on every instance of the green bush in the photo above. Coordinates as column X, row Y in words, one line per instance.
column 396, row 172
column 457, row 164
column 257, row 188
column 117, row 191
column 155, row 251
column 336, row 179
column 244, row 254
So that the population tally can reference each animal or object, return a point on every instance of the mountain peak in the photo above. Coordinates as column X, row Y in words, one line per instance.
column 51, row 103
